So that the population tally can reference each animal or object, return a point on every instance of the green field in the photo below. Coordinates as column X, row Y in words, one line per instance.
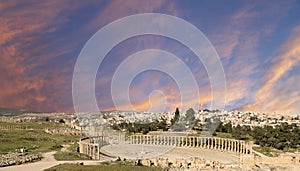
column 34, row 139
column 110, row 167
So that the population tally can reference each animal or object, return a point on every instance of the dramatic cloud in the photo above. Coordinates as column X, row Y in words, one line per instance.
column 258, row 43
column 280, row 90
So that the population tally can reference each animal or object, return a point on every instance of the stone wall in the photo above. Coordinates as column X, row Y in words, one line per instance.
column 283, row 159
column 63, row 131
column 17, row 158
column 193, row 163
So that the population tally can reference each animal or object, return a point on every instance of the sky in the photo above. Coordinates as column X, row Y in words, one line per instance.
column 257, row 42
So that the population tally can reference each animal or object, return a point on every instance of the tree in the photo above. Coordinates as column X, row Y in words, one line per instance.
column 190, row 114
column 176, row 117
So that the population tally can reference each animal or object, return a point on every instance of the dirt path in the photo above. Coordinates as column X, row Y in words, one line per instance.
column 47, row 162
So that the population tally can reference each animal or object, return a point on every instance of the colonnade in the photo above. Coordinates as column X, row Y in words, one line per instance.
column 213, row 143
column 88, row 148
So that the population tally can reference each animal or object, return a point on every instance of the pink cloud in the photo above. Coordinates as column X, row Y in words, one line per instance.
column 268, row 97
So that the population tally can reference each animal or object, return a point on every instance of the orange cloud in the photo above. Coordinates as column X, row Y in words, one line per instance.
column 21, row 24
column 269, row 97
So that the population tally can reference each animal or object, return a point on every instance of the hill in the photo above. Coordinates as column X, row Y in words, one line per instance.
column 14, row 112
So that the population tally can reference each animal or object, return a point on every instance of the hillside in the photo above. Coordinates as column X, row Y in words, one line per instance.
column 14, row 112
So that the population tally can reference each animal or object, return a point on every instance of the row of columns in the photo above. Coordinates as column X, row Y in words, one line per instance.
column 213, row 143
column 90, row 149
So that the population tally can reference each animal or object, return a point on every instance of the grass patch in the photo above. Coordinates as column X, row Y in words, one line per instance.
column 224, row 135
column 113, row 167
column 70, row 156
column 268, row 151
column 35, row 139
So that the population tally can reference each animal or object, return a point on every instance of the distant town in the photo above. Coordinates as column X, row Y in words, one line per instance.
column 199, row 139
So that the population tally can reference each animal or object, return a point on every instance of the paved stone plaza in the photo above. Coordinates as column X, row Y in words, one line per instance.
column 134, row 151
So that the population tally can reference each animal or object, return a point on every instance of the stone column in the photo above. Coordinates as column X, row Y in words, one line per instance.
column 89, row 150
column 221, row 143
column 208, row 143
column 160, row 140
column 215, row 143
column 97, row 152
column 80, row 147
column 86, row 149
column 168, row 140
column 140, row 139
column 201, row 142
column 238, row 146
column 132, row 139
column 242, row 147
column 174, row 141
column 250, row 147
column 93, row 152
